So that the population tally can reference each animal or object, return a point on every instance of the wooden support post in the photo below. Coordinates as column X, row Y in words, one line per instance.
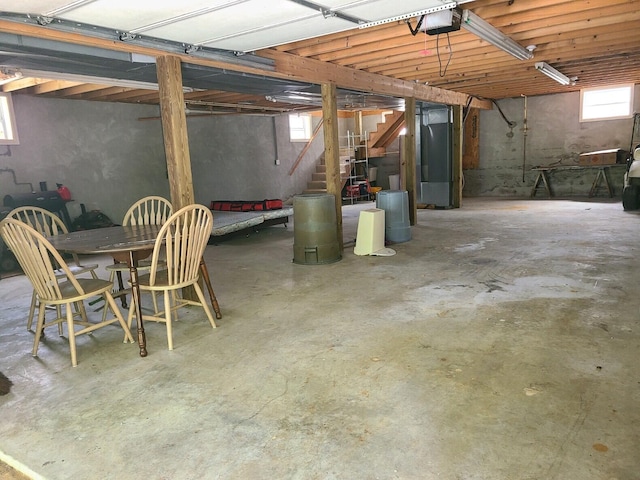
column 332, row 151
column 357, row 124
column 408, row 158
column 174, row 130
column 471, row 142
column 456, row 196
column 176, row 141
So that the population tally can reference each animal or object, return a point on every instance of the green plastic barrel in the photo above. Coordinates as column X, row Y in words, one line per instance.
column 315, row 229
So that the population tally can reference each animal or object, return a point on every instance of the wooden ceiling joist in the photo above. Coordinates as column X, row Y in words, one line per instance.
column 594, row 40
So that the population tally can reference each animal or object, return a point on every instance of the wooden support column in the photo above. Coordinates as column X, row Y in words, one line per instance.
column 458, row 132
column 357, row 124
column 174, row 131
column 332, row 151
column 408, row 158
column 176, row 141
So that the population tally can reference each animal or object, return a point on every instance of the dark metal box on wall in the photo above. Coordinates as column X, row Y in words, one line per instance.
column 603, row 157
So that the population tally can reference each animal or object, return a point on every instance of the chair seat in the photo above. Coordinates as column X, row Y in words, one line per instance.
column 162, row 280
column 93, row 285
column 77, row 269
column 123, row 267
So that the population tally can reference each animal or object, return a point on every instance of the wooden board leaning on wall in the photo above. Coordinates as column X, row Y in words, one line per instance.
column 470, row 149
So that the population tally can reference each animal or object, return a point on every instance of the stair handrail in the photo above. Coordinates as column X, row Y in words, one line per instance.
column 306, row 147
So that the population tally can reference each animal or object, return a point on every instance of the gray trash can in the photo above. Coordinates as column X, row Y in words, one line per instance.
column 395, row 203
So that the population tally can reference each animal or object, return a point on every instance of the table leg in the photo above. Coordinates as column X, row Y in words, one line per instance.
column 535, row 185
column 545, row 179
column 605, row 174
column 594, row 185
column 123, row 296
column 602, row 174
column 542, row 176
column 207, row 281
column 135, row 298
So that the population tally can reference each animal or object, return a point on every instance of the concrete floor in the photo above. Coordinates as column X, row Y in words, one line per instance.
column 501, row 342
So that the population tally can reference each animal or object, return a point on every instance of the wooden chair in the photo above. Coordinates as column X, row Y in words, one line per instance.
column 151, row 210
column 41, row 262
column 181, row 242
column 48, row 224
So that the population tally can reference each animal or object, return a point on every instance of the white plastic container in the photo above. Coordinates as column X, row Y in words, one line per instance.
column 394, row 182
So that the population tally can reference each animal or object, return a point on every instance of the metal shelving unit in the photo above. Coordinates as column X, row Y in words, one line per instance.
column 358, row 152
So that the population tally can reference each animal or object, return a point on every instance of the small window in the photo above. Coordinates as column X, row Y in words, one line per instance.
column 8, row 131
column 606, row 103
column 299, row 128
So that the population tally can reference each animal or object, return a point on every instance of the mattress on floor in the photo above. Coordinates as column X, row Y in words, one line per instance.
column 281, row 212
column 228, row 222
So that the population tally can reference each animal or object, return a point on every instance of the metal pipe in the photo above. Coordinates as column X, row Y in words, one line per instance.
column 525, row 128
column 15, row 180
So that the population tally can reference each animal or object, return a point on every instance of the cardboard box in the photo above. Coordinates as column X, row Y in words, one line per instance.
column 603, row 157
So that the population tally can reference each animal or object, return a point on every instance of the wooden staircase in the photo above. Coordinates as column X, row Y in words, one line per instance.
column 386, row 132
column 318, row 183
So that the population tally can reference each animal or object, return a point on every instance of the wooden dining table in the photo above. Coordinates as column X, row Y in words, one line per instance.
column 127, row 244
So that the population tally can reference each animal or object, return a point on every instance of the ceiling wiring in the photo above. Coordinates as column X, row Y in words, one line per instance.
column 443, row 72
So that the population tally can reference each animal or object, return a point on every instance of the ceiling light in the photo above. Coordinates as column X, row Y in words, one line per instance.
column 551, row 72
column 489, row 33
column 426, row 11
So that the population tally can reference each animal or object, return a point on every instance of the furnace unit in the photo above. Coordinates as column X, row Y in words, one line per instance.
column 434, row 154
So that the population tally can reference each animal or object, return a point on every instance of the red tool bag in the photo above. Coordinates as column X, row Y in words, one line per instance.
column 245, row 206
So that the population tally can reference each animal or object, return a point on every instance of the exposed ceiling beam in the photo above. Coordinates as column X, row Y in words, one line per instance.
column 299, row 68
column 287, row 66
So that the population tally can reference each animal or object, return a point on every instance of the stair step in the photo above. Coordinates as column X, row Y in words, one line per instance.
column 343, row 159
column 315, row 190
column 377, row 152
column 319, row 177
column 344, row 167
column 386, row 131
column 317, row 184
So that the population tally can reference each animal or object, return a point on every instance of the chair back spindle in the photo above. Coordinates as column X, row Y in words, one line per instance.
column 151, row 210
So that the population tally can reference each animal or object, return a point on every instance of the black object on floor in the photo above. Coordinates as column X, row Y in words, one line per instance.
column 5, row 384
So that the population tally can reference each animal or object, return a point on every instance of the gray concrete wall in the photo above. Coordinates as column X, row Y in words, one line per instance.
column 100, row 151
column 111, row 154
column 234, row 158
column 554, row 137
column 109, row 157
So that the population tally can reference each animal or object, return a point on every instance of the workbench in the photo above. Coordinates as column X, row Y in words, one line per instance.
column 602, row 176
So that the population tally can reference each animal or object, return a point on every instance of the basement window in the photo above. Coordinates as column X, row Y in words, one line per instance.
column 299, row 128
column 606, row 103
column 8, row 131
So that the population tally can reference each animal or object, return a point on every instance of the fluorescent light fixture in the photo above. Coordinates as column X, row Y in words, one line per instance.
column 489, row 33
column 426, row 11
column 551, row 72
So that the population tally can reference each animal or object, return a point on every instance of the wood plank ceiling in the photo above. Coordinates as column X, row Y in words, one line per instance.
column 595, row 42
